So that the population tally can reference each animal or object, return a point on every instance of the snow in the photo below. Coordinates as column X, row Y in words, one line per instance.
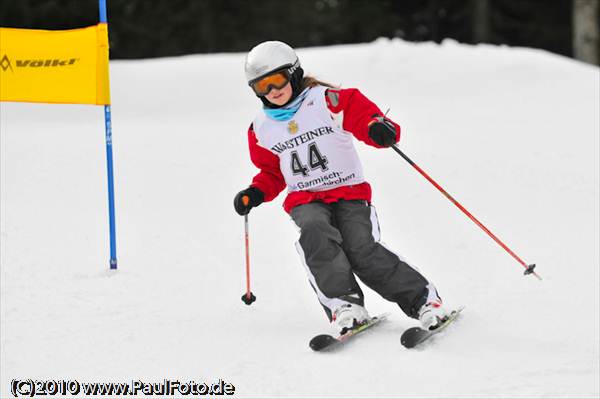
column 512, row 133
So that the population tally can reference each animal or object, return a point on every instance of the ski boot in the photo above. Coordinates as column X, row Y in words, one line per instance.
column 432, row 314
column 349, row 316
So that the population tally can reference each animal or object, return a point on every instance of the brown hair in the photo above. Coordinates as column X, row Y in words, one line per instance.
column 310, row 81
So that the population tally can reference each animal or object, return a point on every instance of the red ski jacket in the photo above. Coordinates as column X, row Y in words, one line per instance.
column 358, row 112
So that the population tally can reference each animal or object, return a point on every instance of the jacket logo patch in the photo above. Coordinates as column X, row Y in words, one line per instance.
column 292, row 127
column 334, row 97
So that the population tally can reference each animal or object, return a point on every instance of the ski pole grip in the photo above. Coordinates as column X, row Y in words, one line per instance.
column 245, row 200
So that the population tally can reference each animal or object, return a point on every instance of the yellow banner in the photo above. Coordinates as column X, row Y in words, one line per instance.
column 63, row 66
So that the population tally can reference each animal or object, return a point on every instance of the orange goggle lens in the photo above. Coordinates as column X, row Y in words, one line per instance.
column 264, row 85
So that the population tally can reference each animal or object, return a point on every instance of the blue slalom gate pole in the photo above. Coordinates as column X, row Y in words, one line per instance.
column 109, row 164
column 102, row 7
column 111, row 189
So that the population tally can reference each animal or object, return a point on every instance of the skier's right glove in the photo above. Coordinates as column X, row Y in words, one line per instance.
column 248, row 199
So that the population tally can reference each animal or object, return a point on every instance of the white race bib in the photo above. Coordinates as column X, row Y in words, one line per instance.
column 315, row 153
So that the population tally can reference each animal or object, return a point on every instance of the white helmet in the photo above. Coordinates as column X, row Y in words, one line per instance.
column 268, row 57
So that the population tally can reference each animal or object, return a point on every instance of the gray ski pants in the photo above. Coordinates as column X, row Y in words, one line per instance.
column 341, row 240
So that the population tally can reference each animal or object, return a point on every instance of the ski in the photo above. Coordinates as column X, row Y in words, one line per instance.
column 326, row 342
column 417, row 335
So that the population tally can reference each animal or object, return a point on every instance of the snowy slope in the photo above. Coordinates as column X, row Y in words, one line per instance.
column 512, row 133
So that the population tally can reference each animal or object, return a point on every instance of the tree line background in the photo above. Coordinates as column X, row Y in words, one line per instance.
column 157, row 28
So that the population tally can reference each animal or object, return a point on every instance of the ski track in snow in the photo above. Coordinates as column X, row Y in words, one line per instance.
column 512, row 133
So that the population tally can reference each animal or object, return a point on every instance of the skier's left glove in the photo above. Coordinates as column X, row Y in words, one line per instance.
column 382, row 131
column 255, row 198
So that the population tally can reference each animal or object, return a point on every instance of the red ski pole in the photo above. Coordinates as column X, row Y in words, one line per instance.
column 528, row 268
column 248, row 296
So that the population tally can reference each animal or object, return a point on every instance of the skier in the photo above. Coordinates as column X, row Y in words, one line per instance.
column 302, row 140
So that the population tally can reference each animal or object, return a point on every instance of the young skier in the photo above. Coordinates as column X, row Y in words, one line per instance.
column 302, row 140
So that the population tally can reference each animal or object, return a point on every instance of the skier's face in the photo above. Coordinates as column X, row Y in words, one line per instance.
column 280, row 96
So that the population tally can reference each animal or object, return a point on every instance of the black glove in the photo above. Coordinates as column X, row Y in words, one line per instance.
column 382, row 132
column 255, row 198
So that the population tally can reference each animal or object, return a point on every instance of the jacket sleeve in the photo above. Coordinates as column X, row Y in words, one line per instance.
column 358, row 113
column 269, row 180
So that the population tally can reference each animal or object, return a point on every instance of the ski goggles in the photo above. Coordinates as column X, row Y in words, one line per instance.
column 276, row 80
